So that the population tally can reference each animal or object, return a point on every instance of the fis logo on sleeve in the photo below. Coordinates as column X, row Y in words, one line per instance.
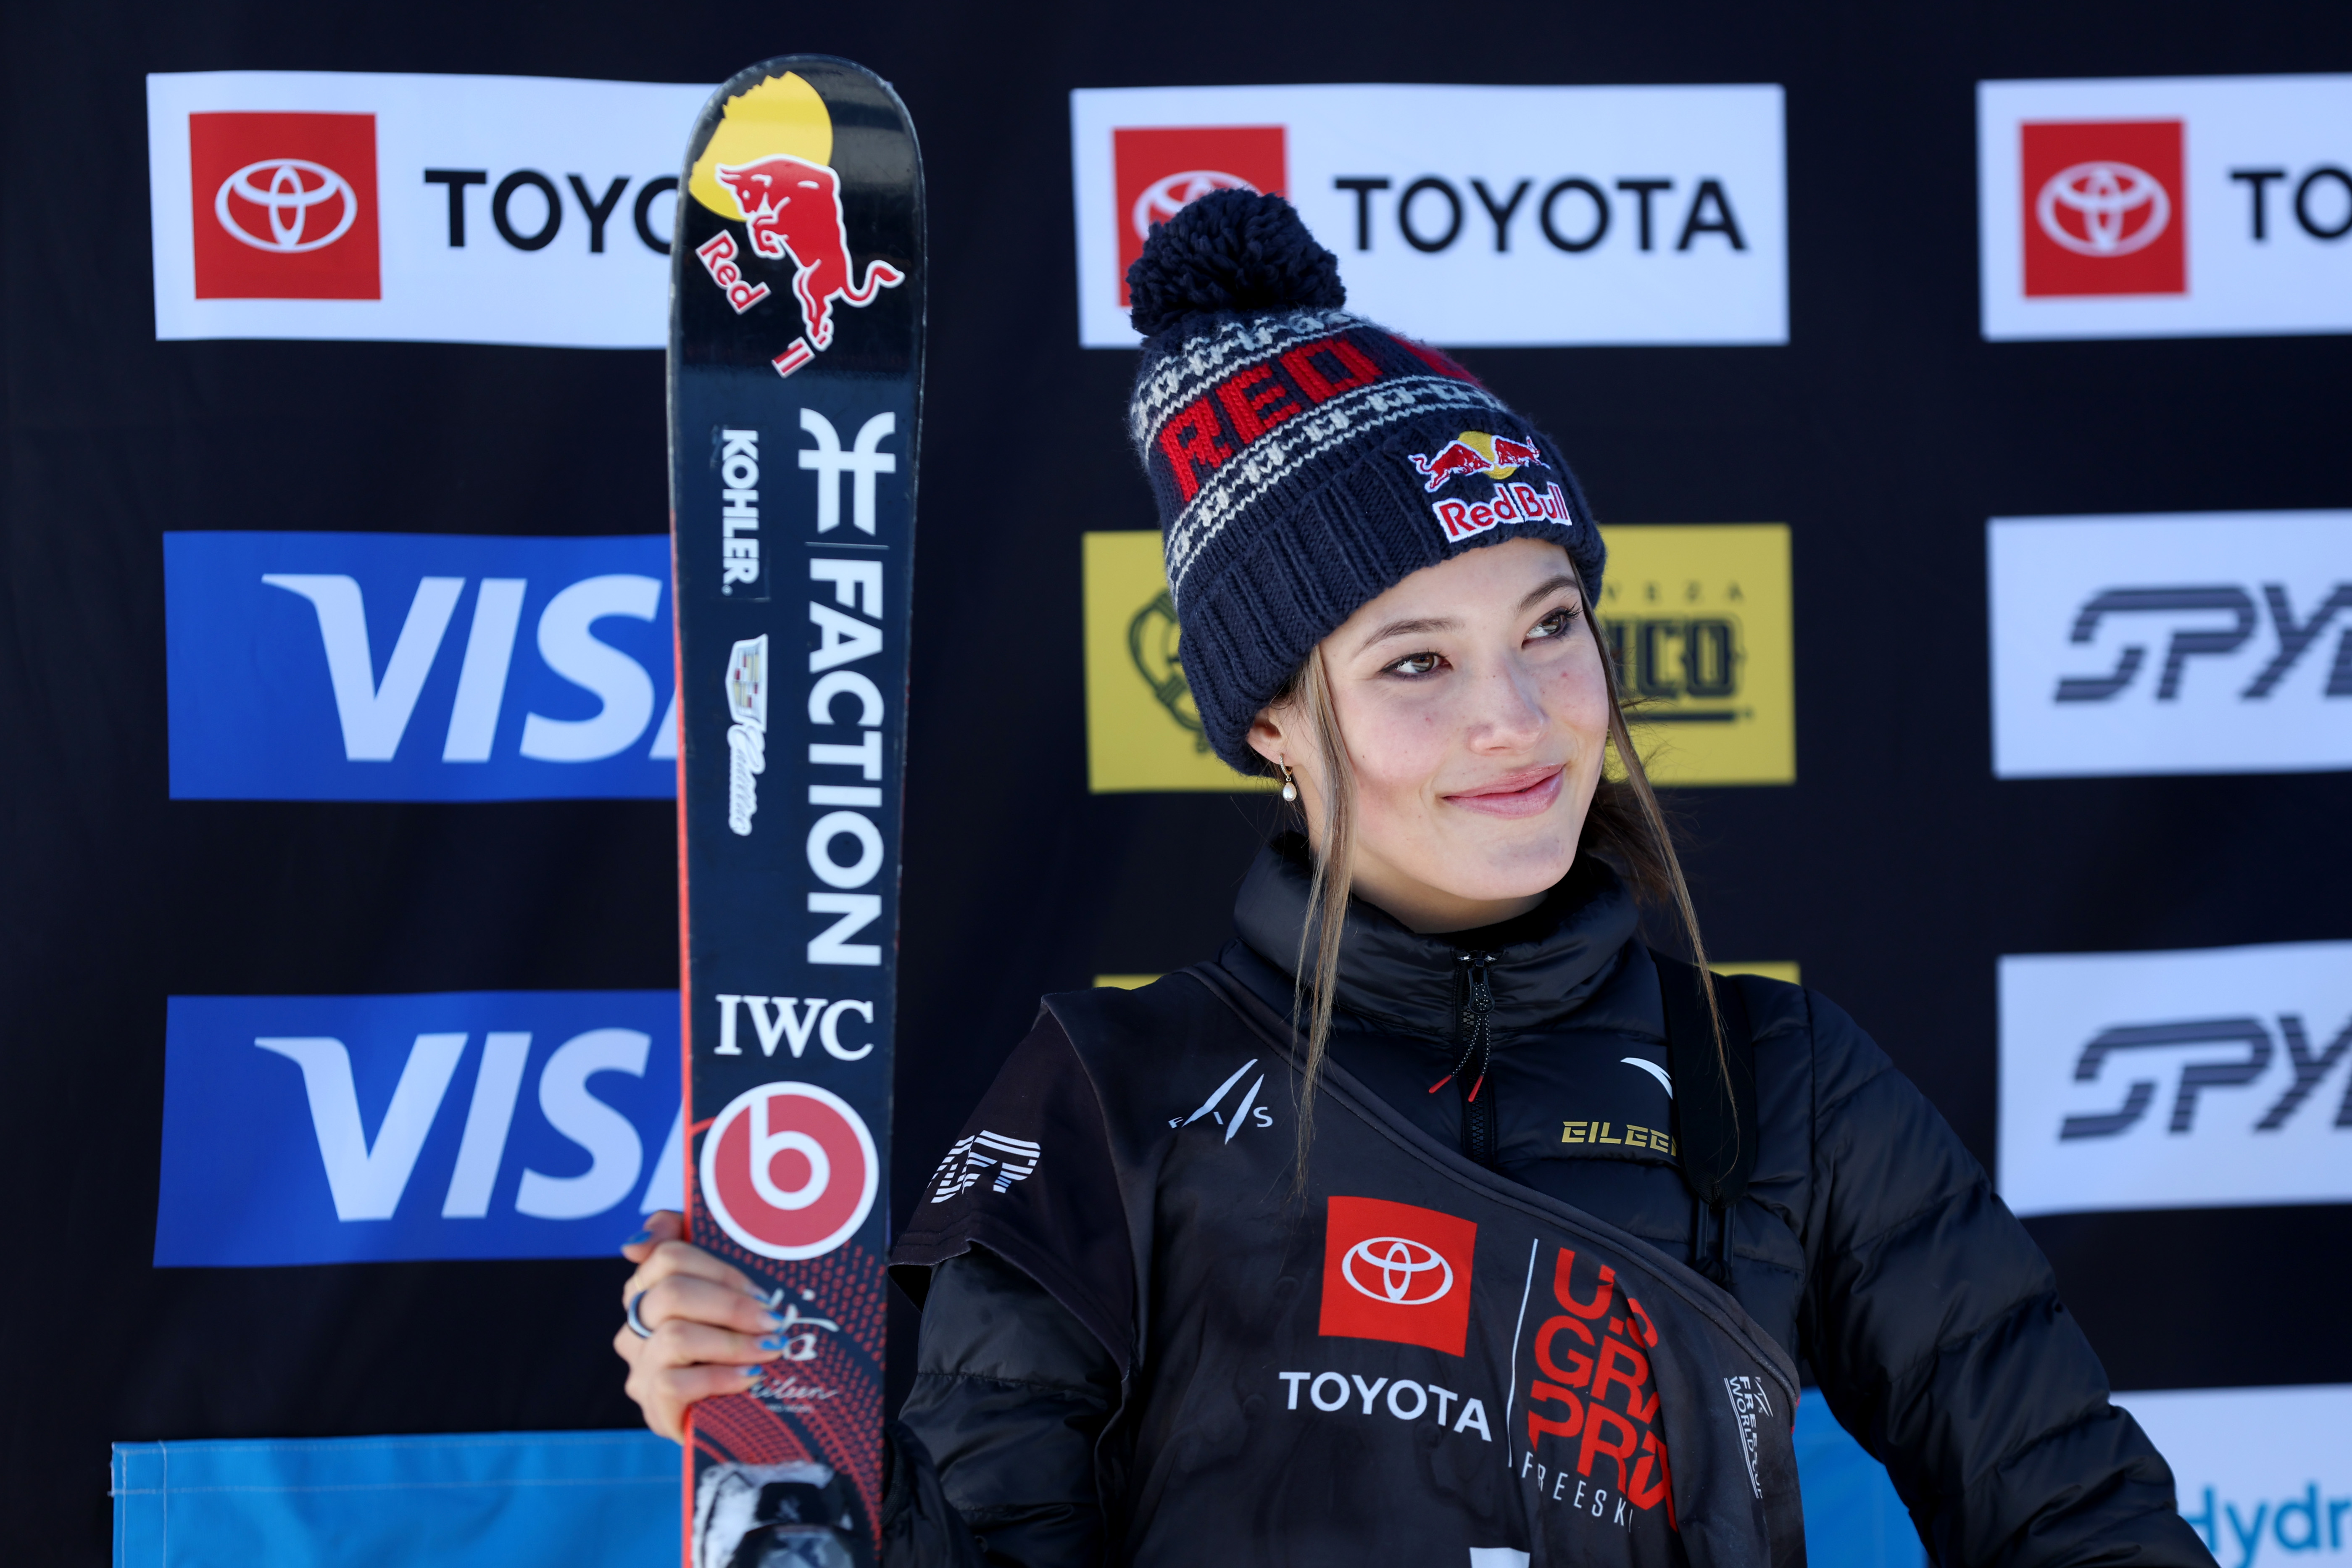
column 371, row 1129
column 418, row 667
column 1393, row 1271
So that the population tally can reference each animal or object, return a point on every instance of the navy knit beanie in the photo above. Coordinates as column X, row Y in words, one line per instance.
column 1306, row 462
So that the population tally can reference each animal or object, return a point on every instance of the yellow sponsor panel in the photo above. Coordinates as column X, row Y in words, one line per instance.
column 1698, row 618
column 1769, row 971
column 1142, row 730
column 1126, row 982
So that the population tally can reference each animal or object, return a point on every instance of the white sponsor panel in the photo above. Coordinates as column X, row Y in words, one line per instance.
column 2165, row 206
column 2263, row 1474
column 482, row 209
column 2204, row 1079
column 1468, row 215
column 2191, row 643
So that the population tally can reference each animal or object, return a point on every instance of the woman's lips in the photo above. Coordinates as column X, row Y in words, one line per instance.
column 1531, row 791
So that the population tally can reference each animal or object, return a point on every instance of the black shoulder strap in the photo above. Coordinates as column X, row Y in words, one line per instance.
column 1715, row 1095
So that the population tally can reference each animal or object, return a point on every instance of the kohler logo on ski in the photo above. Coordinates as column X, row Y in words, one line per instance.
column 797, row 289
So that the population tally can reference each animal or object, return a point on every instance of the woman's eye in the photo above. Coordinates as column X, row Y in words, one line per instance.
column 1553, row 625
column 1415, row 664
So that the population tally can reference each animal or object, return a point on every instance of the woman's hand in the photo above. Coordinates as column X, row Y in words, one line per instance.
column 712, row 1332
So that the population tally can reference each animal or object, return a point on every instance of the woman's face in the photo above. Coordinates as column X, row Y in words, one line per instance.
column 1475, row 712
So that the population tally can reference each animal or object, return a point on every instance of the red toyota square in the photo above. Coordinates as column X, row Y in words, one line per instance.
column 1157, row 172
column 2105, row 211
column 1392, row 1271
column 285, row 207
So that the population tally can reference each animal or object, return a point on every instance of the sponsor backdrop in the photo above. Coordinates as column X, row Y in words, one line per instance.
column 1963, row 392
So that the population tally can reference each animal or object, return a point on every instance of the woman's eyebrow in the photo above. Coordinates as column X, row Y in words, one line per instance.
column 1546, row 590
column 1411, row 628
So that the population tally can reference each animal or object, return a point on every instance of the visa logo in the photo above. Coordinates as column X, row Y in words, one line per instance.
column 452, row 1124
column 418, row 667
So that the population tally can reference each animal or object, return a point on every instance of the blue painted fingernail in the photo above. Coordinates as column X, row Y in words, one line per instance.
column 773, row 1321
column 753, row 1371
column 641, row 1235
column 773, row 1343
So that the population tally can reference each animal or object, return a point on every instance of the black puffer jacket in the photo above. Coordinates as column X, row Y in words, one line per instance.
column 1870, row 1243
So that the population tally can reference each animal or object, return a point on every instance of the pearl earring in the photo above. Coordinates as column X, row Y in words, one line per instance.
column 1289, row 784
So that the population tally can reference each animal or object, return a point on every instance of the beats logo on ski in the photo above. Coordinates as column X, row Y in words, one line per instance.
column 285, row 207
column 789, row 1170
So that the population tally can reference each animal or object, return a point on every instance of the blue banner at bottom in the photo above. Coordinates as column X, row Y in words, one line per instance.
column 482, row 1499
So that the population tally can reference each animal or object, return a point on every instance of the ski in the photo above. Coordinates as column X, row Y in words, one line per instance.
column 795, row 372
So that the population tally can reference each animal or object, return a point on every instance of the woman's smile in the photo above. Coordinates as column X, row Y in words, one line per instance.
column 1528, row 792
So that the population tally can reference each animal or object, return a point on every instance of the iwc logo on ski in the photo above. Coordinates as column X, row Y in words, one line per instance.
column 769, row 166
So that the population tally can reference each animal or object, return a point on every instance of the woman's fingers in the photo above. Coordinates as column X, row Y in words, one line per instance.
column 689, row 1299
column 674, row 1259
column 663, row 1388
column 662, row 1224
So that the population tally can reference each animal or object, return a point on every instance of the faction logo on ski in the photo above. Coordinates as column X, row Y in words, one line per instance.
column 286, row 206
column 1396, row 1272
column 769, row 167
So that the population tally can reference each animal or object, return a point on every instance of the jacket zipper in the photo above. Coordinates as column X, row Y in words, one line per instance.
column 1473, row 1028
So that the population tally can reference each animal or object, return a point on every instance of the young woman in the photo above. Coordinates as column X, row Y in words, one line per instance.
column 1438, row 1214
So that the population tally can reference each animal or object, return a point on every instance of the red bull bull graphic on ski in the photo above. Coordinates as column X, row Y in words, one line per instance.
column 769, row 167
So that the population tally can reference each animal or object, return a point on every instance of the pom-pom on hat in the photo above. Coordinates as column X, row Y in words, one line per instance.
column 1304, row 460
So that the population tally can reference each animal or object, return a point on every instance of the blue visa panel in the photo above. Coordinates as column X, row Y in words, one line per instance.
column 418, row 667
column 452, row 1124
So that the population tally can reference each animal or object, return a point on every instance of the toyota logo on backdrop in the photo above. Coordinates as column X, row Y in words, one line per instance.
column 283, row 205
column 1171, row 194
column 789, row 1170
column 1397, row 1267
column 2103, row 208
column 287, row 191
column 1158, row 170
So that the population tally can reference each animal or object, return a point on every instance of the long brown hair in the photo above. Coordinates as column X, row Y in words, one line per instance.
column 1624, row 825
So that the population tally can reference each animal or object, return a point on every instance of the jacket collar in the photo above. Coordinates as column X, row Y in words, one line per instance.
column 1545, row 963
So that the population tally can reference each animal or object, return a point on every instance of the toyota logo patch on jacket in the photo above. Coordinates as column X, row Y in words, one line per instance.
column 1415, row 1360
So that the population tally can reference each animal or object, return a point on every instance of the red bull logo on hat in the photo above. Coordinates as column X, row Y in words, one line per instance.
column 1476, row 452
column 769, row 166
column 1515, row 502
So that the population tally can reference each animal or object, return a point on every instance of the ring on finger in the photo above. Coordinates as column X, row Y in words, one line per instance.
column 637, row 1324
